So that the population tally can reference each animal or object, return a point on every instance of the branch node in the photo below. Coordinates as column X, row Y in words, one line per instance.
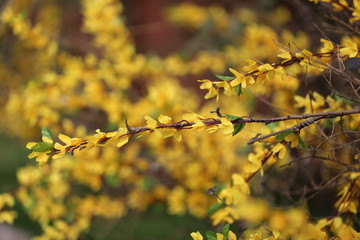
column 128, row 127
column 218, row 113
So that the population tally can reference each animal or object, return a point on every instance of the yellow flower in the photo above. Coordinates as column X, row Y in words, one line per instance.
column 150, row 122
column 356, row 11
column 41, row 157
column 285, row 55
column 212, row 129
column 213, row 92
column 341, row 5
column 265, row 67
column 227, row 87
column 232, row 236
column 8, row 216
column 122, row 140
column 280, row 149
column 312, row 102
column 207, row 84
column 68, row 140
column 61, row 150
column 223, row 215
column 164, row 119
column 306, row 57
column 254, row 164
column 192, row 117
column 111, row 134
column 240, row 182
column 328, row 46
column 252, row 66
column 196, row 202
column 176, row 200
column 241, row 79
column 219, row 236
column 188, row 14
column 226, row 126
column 196, row 235
column 6, row 200
column 121, row 137
column 349, row 48
column 29, row 145
column 198, row 126
column 293, row 139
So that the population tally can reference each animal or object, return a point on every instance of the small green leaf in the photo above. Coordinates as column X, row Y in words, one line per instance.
column 149, row 183
column 301, row 142
column 272, row 125
column 225, row 78
column 220, row 186
column 283, row 135
column 238, row 128
column 238, row 89
column 45, row 132
column 210, row 235
column 342, row 99
column 43, row 147
column 112, row 180
column 230, row 78
column 328, row 123
column 23, row 14
column 215, row 207
column 225, row 230
column 232, row 117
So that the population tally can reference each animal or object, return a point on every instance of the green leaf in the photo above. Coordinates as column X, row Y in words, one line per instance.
column 45, row 132
column 283, row 135
column 238, row 128
column 230, row 78
column 112, row 180
column 210, row 235
column 148, row 183
column 232, row 117
column 301, row 142
column 43, row 147
column 342, row 99
column 220, row 186
column 23, row 14
column 215, row 207
column 225, row 78
column 272, row 125
column 238, row 89
column 225, row 230
column 328, row 123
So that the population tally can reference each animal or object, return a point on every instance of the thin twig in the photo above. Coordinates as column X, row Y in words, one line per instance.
column 314, row 118
column 297, row 127
column 317, row 157
column 263, row 161
column 327, row 184
column 335, row 135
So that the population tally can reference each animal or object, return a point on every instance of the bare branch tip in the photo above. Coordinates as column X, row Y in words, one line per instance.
column 128, row 127
column 217, row 111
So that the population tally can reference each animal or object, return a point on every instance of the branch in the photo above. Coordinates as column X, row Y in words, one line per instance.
column 122, row 135
column 314, row 118
column 263, row 161
column 212, row 121
column 293, row 128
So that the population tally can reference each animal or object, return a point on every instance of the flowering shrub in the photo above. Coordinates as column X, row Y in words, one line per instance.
column 120, row 132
